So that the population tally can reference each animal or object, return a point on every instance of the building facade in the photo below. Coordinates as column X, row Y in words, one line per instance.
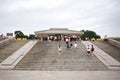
column 58, row 34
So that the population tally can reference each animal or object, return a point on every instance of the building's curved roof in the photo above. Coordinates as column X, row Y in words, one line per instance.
column 58, row 31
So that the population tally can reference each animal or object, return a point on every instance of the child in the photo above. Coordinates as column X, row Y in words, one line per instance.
column 88, row 50
column 59, row 48
column 68, row 45
column 75, row 45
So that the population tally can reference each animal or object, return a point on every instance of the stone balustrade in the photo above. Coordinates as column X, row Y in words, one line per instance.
column 114, row 42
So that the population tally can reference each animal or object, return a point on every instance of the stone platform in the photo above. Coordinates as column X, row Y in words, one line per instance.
column 59, row 75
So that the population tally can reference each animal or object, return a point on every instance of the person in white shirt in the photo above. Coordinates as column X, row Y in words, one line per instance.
column 88, row 50
column 59, row 49
column 66, row 40
column 75, row 45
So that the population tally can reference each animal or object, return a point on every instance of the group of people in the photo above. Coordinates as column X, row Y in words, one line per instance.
column 90, row 49
column 68, row 45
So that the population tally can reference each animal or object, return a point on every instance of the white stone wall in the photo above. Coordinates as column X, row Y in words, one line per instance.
column 114, row 42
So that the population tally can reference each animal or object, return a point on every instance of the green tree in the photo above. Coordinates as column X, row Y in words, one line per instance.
column 31, row 36
column 89, row 34
column 26, row 36
column 19, row 34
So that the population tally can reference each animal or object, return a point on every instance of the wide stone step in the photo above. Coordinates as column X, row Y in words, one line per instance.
column 47, row 58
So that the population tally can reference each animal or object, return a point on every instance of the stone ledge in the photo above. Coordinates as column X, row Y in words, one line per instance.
column 114, row 42
column 6, row 42
column 104, row 57
column 12, row 60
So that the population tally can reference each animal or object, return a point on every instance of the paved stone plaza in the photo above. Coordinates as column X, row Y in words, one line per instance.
column 59, row 75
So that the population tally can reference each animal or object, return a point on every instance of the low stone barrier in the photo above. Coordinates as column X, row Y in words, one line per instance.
column 17, row 56
column 114, row 42
column 6, row 42
column 2, row 38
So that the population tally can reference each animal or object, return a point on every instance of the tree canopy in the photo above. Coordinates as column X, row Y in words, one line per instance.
column 89, row 34
column 19, row 34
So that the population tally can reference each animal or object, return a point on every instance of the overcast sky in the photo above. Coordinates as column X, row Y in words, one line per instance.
column 101, row 16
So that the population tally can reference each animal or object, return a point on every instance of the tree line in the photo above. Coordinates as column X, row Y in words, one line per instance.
column 19, row 34
column 87, row 34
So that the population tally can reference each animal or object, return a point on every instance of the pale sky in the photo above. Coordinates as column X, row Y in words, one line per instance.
column 101, row 16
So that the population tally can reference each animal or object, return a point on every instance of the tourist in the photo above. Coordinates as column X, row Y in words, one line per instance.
column 105, row 38
column 86, row 39
column 88, row 50
column 92, row 50
column 71, row 43
column 59, row 49
column 66, row 40
column 55, row 38
column 59, row 38
column 75, row 45
column 48, row 38
column 68, row 45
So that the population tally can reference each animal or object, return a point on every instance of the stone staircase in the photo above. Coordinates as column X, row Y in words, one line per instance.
column 44, row 56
